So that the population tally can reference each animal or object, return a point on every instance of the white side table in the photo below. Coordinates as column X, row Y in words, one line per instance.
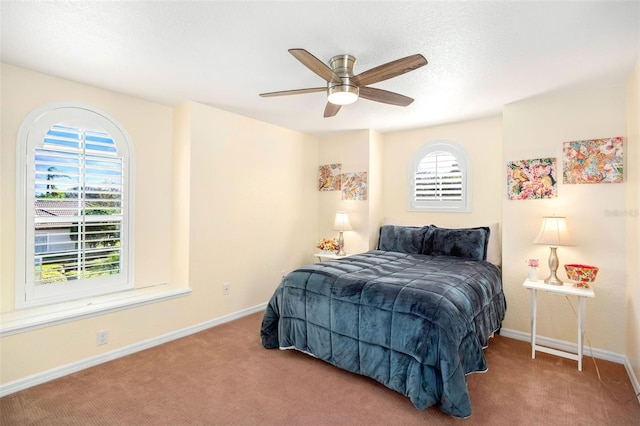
column 568, row 289
column 330, row 256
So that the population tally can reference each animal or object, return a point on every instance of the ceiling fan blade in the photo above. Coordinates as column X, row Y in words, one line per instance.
column 389, row 70
column 384, row 96
column 294, row 92
column 331, row 110
column 315, row 65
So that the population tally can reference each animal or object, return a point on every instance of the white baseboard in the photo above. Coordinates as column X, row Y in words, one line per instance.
column 74, row 367
column 564, row 345
column 573, row 347
column 632, row 376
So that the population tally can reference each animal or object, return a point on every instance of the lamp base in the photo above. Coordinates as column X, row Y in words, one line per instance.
column 553, row 267
column 553, row 281
column 341, row 244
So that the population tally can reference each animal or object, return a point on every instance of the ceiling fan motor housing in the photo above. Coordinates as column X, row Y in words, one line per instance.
column 342, row 92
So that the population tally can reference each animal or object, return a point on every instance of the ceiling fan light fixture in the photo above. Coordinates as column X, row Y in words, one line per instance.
column 343, row 94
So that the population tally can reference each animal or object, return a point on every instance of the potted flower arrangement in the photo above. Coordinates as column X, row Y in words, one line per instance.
column 329, row 245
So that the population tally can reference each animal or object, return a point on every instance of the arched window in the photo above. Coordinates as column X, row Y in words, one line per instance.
column 439, row 178
column 74, row 206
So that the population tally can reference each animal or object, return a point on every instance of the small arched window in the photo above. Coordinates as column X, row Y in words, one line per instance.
column 74, row 205
column 439, row 178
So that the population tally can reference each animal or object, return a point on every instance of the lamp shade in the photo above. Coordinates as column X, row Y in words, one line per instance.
column 554, row 232
column 341, row 222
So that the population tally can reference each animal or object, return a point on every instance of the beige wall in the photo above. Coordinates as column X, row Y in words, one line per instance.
column 632, row 303
column 481, row 140
column 227, row 189
column 181, row 195
column 536, row 128
column 376, row 184
column 352, row 150
column 253, row 209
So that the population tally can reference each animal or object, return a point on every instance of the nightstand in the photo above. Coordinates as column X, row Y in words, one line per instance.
column 568, row 289
column 330, row 256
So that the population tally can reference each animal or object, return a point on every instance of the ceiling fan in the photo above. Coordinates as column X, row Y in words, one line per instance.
column 344, row 88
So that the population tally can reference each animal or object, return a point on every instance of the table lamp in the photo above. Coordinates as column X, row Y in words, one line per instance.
column 341, row 223
column 553, row 233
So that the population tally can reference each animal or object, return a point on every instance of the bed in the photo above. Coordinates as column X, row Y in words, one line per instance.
column 415, row 314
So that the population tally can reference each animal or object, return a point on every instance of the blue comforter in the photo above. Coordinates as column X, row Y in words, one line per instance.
column 415, row 323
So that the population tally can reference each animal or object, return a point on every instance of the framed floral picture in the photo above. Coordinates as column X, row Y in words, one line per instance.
column 329, row 177
column 531, row 179
column 354, row 186
column 593, row 161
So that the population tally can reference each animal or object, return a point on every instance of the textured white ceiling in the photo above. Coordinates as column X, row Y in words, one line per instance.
column 482, row 55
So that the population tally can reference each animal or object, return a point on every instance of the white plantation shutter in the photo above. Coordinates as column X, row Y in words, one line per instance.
column 438, row 178
column 76, row 181
column 78, row 192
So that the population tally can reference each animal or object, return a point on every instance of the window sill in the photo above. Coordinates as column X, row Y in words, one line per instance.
column 25, row 320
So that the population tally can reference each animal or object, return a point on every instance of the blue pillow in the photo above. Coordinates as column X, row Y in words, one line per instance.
column 402, row 239
column 468, row 243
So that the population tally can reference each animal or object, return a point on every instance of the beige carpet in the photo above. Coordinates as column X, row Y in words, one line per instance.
column 223, row 376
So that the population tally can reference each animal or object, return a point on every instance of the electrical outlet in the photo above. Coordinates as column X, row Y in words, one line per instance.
column 226, row 288
column 103, row 337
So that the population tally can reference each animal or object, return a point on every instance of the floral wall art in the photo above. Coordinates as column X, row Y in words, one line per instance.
column 593, row 161
column 329, row 177
column 354, row 186
column 531, row 179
